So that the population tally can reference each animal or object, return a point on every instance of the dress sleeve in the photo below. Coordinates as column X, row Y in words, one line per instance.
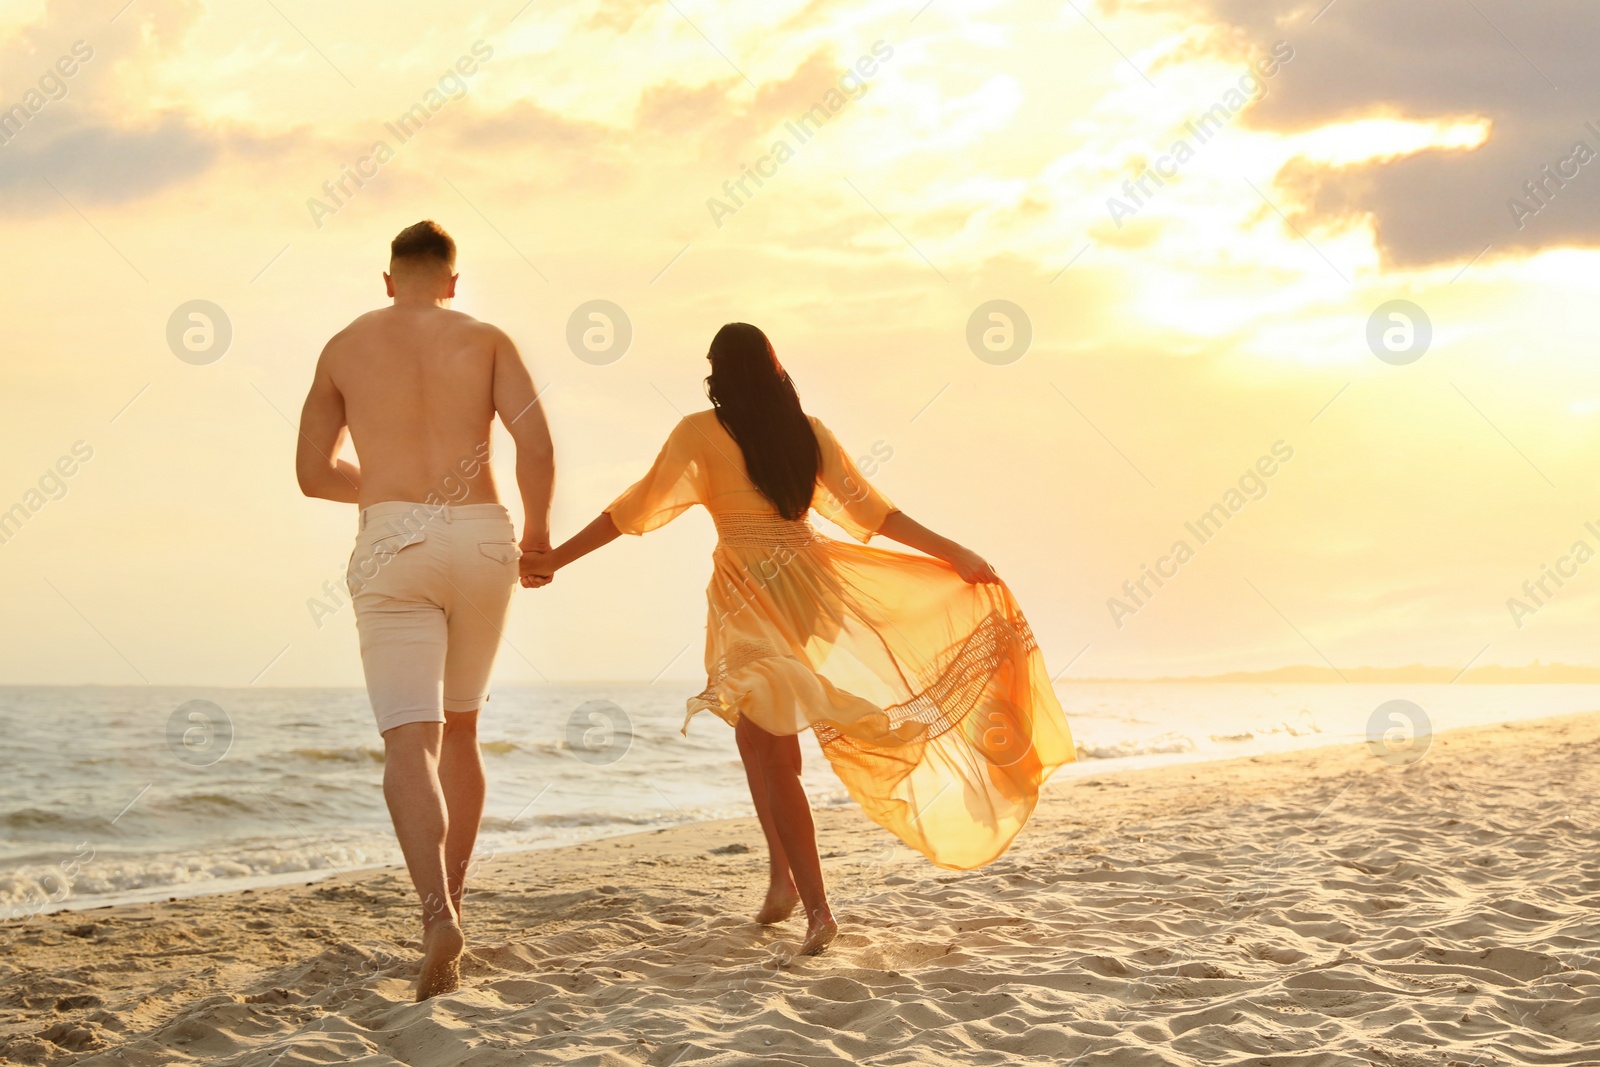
column 673, row 486
column 843, row 493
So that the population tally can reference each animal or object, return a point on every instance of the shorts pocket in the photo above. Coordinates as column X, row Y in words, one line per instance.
column 389, row 546
column 368, row 559
column 501, row 551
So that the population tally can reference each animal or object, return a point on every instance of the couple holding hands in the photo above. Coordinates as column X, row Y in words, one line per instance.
column 917, row 673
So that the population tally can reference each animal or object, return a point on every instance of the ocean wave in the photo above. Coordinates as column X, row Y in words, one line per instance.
column 538, row 748
column 353, row 754
column 1163, row 745
column 579, row 820
column 222, row 805
column 39, row 820
column 38, row 887
column 1303, row 726
column 373, row 754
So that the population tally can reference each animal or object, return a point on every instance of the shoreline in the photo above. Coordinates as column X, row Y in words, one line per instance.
column 1136, row 763
column 1114, row 765
column 1408, row 909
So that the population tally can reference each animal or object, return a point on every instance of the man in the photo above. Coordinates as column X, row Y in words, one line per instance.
column 417, row 386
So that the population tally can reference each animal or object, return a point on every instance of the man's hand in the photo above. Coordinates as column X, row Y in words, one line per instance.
column 535, row 569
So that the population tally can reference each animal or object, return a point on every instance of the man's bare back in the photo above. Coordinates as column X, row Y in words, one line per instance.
column 418, row 384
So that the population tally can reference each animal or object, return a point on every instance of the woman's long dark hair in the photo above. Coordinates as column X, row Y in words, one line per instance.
column 757, row 404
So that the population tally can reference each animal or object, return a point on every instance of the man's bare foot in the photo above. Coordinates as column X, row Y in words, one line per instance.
column 442, row 945
column 780, row 904
column 820, row 933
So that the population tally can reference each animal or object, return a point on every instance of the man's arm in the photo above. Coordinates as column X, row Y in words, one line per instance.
column 518, row 405
column 322, row 435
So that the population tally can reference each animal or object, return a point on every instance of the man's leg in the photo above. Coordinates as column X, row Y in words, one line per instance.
column 404, row 633
column 417, row 808
column 462, row 780
column 483, row 577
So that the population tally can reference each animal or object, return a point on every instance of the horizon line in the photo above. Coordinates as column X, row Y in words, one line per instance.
column 1417, row 673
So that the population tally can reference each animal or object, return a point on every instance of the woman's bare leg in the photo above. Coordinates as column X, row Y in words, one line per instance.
column 781, row 894
column 791, row 818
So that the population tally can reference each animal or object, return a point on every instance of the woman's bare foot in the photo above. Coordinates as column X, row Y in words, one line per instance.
column 780, row 904
column 442, row 945
column 820, row 932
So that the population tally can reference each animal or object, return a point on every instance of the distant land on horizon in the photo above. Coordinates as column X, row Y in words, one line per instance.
column 1534, row 673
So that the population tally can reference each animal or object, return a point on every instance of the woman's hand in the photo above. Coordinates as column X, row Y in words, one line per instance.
column 973, row 568
column 536, row 568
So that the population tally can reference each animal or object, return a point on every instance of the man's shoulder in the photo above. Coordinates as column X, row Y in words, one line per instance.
column 358, row 326
column 461, row 318
column 474, row 327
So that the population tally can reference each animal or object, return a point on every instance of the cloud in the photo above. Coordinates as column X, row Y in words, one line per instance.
column 619, row 16
column 99, row 163
column 68, row 119
column 715, row 124
column 525, row 124
column 1531, row 73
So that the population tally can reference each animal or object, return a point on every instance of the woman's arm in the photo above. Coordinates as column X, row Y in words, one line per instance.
column 537, row 565
column 972, row 567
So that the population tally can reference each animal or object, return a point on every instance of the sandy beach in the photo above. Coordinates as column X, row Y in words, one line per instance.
column 1318, row 907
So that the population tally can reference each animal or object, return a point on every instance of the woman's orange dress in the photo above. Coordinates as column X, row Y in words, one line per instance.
column 929, row 695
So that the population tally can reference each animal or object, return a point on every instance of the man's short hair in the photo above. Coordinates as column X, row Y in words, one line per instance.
column 425, row 240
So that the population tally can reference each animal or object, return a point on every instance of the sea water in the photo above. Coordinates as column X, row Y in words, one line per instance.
column 119, row 794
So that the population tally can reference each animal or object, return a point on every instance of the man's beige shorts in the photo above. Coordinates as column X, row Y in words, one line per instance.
column 431, row 587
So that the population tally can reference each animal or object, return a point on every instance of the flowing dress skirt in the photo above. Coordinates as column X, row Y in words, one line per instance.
column 929, row 695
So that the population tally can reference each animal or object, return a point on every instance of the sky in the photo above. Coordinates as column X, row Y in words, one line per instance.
column 1198, row 214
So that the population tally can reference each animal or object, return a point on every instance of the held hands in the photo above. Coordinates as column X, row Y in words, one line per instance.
column 973, row 568
column 540, row 562
column 536, row 568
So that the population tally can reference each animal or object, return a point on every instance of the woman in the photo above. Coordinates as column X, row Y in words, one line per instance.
column 919, row 675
